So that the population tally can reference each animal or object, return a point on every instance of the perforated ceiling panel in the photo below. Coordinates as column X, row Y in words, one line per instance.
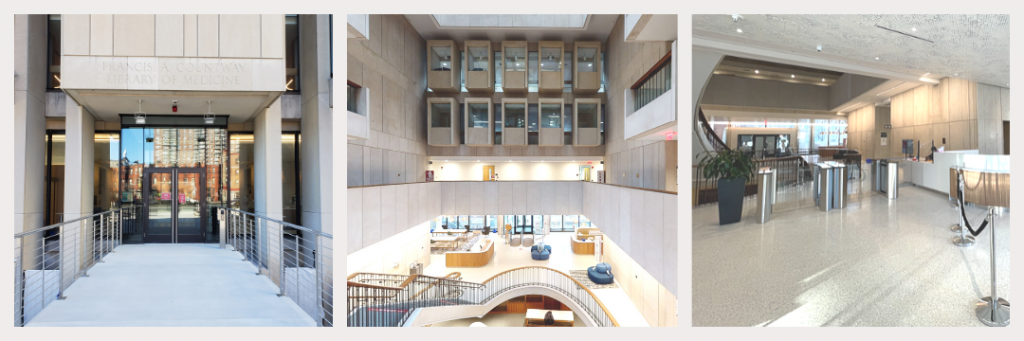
column 974, row 47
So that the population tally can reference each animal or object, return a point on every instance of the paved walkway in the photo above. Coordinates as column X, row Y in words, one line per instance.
column 173, row 285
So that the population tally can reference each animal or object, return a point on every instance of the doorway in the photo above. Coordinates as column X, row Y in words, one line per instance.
column 584, row 173
column 489, row 173
column 174, row 205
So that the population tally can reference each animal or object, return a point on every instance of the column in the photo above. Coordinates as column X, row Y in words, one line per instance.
column 78, row 179
column 317, row 123
column 29, row 121
column 267, row 164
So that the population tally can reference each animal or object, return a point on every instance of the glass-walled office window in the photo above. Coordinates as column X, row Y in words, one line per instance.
column 290, row 171
column 532, row 131
column 353, row 99
column 478, row 117
column 567, row 65
column 54, row 206
column 551, row 59
column 497, row 124
column 515, row 115
column 550, row 115
column 515, row 59
column 53, row 44
column 586, row 60
column 567, row 123
column 588, row 115
column 478, row 59
column 441, row 60
column 291, row 57
column 106, row 163
column 440, row 115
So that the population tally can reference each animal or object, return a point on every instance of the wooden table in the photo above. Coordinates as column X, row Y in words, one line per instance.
column 563, row 318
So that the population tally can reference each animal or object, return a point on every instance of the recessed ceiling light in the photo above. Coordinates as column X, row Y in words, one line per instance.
column 757, row 71
column 913, row 29
column 792, row 76
column 739, row 30
column 876, row 58
column 822, row 79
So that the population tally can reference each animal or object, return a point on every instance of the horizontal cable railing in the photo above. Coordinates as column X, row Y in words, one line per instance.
column 373, row 305
column 297, row 259
column 48, row 260
column 790, row 170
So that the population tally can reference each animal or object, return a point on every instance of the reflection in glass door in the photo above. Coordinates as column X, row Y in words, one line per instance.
column 174, row 205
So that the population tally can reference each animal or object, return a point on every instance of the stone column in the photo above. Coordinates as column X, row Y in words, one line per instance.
column 29, row 121
column 317, row 148
column 78, row 177
column 268, row 181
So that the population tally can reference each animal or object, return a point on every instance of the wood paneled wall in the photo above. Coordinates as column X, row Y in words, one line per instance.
column 952, row 110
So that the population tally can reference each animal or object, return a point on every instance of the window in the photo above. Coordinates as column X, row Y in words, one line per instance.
column 657, row 82
column 440, row 115
column 551, row 59
column 55, row 152
column 478, row 59
column 497, row 71
column 476, row 222
column 533, row 117
column 532, row 75
column 556, row 223
column 478, row 117
column 353, row 99
column 515, row 60
column 550, row 115
column 53, row 44
column 497, row 124
column 290, row 163
column 586, row 60
column 567, row 124
column 441, row 58
column 515, row 115
column 291, row 58
column 587, row 115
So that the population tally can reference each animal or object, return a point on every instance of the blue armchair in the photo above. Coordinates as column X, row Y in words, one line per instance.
column 540, row 254
column 601, row 273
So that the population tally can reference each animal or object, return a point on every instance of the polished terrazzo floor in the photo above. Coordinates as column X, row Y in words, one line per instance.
column 875, row 263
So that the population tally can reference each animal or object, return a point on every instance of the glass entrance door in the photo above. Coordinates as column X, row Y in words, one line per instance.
column 175, row 203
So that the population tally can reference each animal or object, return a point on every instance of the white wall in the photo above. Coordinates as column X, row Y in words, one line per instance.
column 512, row 171
column 403, row 248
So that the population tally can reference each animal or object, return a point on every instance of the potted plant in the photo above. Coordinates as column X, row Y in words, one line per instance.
column 733, row 169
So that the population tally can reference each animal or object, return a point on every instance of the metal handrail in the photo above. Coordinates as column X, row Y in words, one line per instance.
column 384, row 306
column 297, row 259
column 75, row 247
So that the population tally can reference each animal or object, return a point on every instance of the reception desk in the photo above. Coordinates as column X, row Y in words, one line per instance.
column 935, row 175
column 472, row 258
column 581, row 247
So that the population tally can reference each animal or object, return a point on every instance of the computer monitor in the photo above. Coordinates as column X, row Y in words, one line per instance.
column 908, row 147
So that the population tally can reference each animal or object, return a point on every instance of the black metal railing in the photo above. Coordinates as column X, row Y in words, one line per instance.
column 374, row 300
column 790, row 171
column 709, row 133
column 653, row 84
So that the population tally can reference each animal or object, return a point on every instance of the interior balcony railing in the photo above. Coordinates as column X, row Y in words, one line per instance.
column 297, row 259
column 790, row 170
column 49, row 259
column 709, row 132
column 383, row 300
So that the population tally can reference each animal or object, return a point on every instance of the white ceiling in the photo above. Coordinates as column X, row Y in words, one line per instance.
column 969, row 46
column 597, row 27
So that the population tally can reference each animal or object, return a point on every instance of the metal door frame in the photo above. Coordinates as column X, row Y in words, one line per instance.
column 174, row 171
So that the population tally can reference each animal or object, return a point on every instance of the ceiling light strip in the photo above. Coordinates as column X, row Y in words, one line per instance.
column 890, row 89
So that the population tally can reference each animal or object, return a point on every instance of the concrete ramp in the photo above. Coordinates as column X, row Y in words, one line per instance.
column 173, row 285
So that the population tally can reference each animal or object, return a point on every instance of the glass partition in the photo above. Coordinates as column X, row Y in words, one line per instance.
column 515, row 115
column 478, row 116
column 440, row 115
column 587, row 115
column 531, row 121
column 441, row 58
column 550, row 115
column 478, row 58
column 551, row 59
column 497, row 70
column 242, row 189
column 531, row 76
column 515, row 59
column 586, row 60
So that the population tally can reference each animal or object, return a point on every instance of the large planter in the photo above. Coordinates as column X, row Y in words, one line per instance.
column 730, row 200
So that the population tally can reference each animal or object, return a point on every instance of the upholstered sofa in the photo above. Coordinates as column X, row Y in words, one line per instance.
column 540, row 254
column 601, row 273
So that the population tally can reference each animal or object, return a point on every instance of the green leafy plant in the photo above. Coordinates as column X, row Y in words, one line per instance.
column 728, row 164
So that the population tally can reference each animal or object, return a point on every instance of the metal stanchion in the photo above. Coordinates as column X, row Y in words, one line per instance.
column 222, row 218
column 993, row 311
column 765, row 194
column 964, row 239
